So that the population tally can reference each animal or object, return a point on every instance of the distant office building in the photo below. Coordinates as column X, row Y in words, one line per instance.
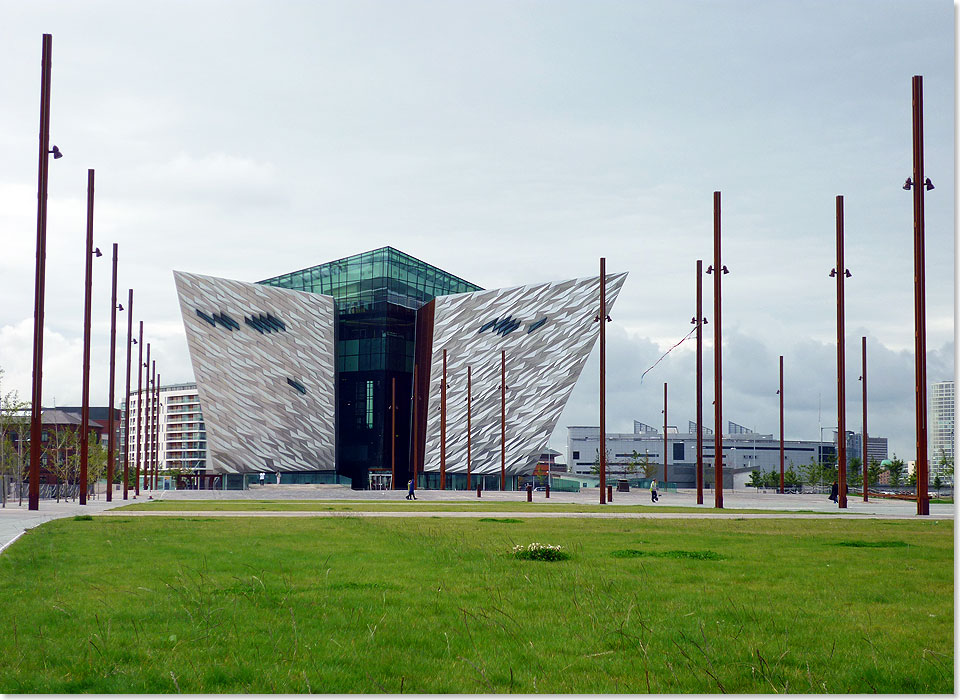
column 183, row 436
column 942, row 435
column 744, row 450
column 876, row 446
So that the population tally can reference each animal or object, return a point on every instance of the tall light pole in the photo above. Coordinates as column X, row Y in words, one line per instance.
column 111, row 424
column 841, row 273
column 414, row 432
column 443, row 424
column 126, row 413
column 85, row 391
column 147, row 424
column 469, row 407
column 665, row 446
column 602, row 319
column 781, row 424
column 393, row 432
column 920, row 183
column 503, row 420
column 156, row 430
column 699, row 320
column 717, row 270
column 140, row 423
column 36, row 400
column 863, row 432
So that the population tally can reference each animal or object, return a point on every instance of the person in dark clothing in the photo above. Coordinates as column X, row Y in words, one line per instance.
column 410, row 493
column 835, row 493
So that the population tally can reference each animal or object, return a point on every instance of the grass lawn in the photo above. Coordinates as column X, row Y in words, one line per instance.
column 519, row 505
column 430, row 605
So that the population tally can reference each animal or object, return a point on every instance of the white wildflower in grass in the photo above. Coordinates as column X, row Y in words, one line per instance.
column 540, row 552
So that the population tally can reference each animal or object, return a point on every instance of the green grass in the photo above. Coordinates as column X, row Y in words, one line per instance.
column 519, row 506
column 420, row 605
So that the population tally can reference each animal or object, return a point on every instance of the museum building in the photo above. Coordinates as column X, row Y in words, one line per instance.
column 380, row 367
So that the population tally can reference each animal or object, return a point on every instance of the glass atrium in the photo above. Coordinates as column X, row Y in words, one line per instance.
column 377, row 295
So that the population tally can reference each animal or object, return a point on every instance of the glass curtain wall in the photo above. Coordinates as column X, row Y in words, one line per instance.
column 377, row 295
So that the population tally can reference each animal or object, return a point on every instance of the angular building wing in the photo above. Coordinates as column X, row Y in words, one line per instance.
column 538, row 336
column 264, row 364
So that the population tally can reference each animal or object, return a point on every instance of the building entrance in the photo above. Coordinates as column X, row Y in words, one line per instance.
column 380, row 482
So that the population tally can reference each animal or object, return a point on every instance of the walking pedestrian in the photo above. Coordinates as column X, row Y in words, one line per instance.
column 410, row 493
column 654, row 496
column 835, row 493
column 262, row 476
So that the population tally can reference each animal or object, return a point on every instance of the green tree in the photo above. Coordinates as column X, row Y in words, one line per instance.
column 855, row 472
column 772, row 479
column 791, row 479
column 634, row 464
column 14, row 420
column 946, row 464
column 896, row 470
column 813, row 472
column 937, row 484
column 756, row 480
column 874, row 470
column 96, row 460
column 595, row 467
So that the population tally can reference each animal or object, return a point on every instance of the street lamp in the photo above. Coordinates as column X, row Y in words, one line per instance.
column 699, row 321
column 87, row 293
column 111, row 426
column 716, row 269
column 126, row 414
column 36, row 408
column 841, row 273
column 919, row 296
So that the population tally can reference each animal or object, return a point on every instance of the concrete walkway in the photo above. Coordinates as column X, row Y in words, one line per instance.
column 15, row 520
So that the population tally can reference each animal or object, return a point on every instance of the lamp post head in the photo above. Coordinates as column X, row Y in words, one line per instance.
column 928, row 184
column 908, row 183
column 97, row 253
column 56, row 153
column 833, row 272
column 120, row 307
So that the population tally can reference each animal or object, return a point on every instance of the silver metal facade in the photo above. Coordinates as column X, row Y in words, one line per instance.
column 547, row 331
column 263, row 358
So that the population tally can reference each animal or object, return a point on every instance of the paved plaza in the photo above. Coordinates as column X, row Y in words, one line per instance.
column 16, row 519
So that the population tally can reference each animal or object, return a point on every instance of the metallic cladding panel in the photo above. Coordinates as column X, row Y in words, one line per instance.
column 257, row 420
column 543, row 362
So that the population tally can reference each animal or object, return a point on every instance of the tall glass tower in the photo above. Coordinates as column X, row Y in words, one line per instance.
column 377, row 295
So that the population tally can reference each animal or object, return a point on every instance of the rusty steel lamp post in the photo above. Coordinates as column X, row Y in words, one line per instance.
column 665, row 445
column 443, row 424
column 698, row 321
column 145, row 428
column 126, row 414
column 138, row 461
column 36, row 400
column 503, row 420
column 469, row 407
column 920, row 184
column 841, row 273
column 111, row 420
column 156, row 430
column 863, row 431
column 393, row 432
column 780, row 392
column 717, row 270
column 91, row 252
column 602, row 318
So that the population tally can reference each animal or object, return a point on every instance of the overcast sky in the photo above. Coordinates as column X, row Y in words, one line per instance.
column 505, row 142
